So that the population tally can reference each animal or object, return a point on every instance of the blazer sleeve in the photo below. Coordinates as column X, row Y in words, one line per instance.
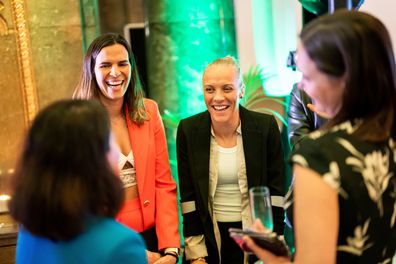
column 192, row 225
column 300, row 118
column 166, row 215
column 275, row 173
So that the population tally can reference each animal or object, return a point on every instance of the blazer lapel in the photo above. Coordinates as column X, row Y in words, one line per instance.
column 139, row 137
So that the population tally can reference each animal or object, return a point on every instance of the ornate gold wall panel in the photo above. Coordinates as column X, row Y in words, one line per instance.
column 29, row 92
column 40, row 61
column 12, row 109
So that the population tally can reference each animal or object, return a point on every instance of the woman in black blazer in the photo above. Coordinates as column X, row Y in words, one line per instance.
column 221, row 153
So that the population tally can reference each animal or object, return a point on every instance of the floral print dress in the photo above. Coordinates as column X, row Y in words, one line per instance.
column 363, row 173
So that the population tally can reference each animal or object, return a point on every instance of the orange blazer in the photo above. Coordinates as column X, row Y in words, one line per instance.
column 157, row 189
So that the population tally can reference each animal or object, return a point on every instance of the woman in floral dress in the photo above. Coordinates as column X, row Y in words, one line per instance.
column 345, row 183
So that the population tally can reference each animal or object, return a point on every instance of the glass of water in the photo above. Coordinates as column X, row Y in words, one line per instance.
column 260, row 206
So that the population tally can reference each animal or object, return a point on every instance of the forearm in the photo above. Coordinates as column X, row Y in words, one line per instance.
column 195, row 247
column 166, row 214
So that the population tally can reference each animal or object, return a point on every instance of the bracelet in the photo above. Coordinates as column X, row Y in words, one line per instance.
column 173, row 254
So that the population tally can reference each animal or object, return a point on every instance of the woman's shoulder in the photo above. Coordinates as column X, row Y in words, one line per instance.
column 252, row 114
column 108, row 227
column 189, row 126
column 103, row 231
column 103, row 237
column 150, row 105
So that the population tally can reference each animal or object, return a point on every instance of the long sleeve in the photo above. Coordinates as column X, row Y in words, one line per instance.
column 301, row 120
column 275, row 174
column 192, row 225
column 166, row 215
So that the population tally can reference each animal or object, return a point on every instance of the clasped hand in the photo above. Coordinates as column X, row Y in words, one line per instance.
column 156, row 258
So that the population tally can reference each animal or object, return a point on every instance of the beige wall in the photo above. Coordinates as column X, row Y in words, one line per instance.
column 384, row 10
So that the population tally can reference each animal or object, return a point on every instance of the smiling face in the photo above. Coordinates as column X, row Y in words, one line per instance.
column 222, row 92
column 113, row 71
column 326, row 91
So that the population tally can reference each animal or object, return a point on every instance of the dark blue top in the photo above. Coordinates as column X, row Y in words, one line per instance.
column 104, row 241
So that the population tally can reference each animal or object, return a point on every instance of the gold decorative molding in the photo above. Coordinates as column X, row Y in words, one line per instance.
column 3, row 22
column 29, row 91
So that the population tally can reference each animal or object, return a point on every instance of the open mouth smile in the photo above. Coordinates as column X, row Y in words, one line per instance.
column 220, row 107
column 114, row 83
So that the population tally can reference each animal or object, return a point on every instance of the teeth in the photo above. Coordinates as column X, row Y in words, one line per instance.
column 220, row 107
column 114, row 83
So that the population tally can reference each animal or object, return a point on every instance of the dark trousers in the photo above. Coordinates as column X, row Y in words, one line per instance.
column 230, row 251
column 150, row 237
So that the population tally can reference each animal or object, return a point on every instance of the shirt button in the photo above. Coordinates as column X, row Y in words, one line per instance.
column 146, row 203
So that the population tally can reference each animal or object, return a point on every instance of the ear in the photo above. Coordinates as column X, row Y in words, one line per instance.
column 241, row 90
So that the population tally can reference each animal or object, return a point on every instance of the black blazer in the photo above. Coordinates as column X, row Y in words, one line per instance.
column 264, row 166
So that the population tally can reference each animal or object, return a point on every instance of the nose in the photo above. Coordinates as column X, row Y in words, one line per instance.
column 115, row 71
column 218, row 96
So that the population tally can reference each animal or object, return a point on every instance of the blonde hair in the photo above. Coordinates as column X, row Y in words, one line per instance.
column 231, row 61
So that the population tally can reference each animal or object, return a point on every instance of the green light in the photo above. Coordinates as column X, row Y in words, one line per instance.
column 184, row 36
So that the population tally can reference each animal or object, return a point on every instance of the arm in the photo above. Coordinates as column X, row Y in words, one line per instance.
column 300, row 119
column 316, row 209
column 192, row 227
column 316, row 222
column 166, row 215
column 275, row 175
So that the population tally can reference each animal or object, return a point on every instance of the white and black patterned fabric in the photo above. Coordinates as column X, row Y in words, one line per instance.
column 363, row 173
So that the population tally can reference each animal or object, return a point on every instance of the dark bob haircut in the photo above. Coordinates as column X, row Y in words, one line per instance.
column 357, row 47
column 63, row 176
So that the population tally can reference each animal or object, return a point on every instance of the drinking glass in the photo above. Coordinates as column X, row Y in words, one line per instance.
column 260, row 206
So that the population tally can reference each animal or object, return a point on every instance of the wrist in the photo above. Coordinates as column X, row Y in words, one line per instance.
column 198, row 260
column 173, row 254
column 173, row 250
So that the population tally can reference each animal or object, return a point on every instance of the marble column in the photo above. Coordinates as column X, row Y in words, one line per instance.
column 182, row 37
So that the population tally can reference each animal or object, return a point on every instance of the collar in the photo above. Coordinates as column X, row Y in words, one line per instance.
column 238, row 130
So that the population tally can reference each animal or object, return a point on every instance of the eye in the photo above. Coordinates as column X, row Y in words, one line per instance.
column 104, row 65
column 124, row 63
column 209, row 89
column 228, row 89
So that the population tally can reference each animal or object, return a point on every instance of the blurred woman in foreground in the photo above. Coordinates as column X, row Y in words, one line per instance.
column 65, row 192
column 345, row 183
